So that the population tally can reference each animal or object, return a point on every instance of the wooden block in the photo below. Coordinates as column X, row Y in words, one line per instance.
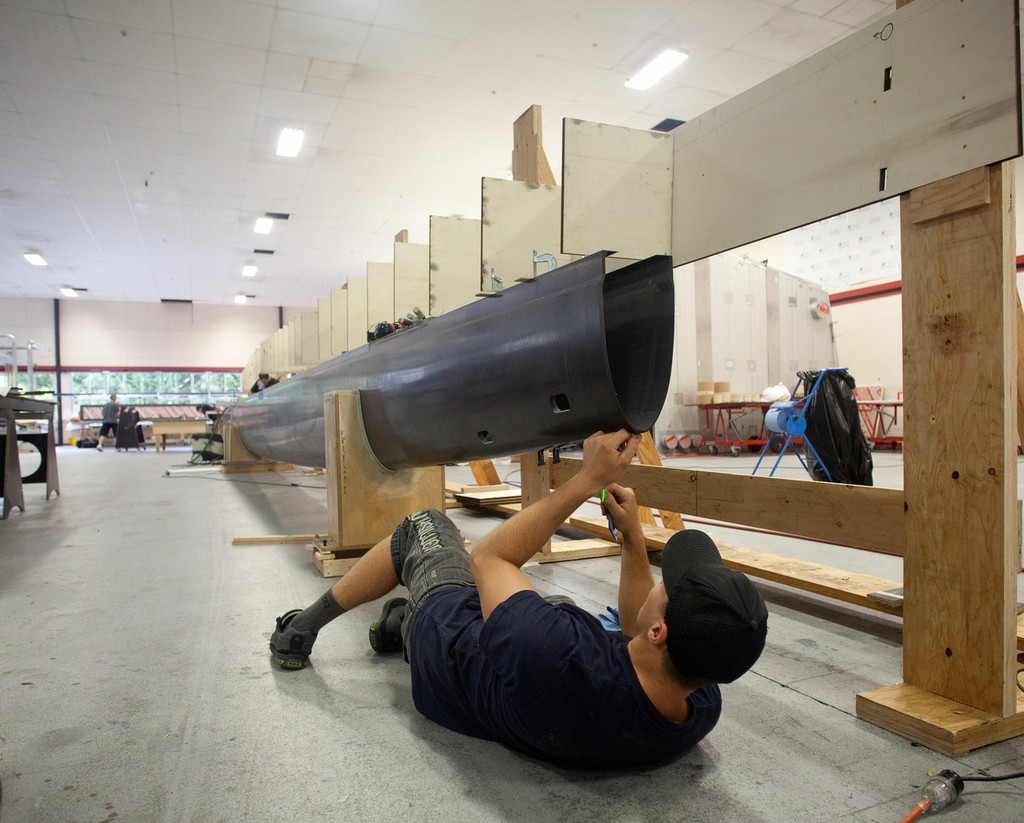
column 484, row 472
column 529, row 161
column 939, row 723
column 965, row 191
column 472, row 497
column 578, row 550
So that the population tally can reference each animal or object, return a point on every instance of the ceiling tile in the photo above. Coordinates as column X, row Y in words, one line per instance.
column 790, row 37
column 152, row 15
column 29, row 30
column 224, row 21
column 317, row 36
column 124, row 47
column 220, row 61
column 859, row 12
column 206, row 93
column 286, row 71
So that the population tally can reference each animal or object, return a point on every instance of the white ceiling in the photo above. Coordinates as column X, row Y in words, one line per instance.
column 137, row 137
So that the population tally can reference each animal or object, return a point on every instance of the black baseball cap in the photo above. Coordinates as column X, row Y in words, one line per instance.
column 717, row 622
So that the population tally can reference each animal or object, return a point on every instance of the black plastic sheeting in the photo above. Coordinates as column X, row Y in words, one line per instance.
column 833, row 428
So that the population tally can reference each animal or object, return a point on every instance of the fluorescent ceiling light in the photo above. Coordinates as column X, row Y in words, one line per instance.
column 240, row 299
column 263, row 225
column 656, row 69
column 67, row 291
column 248, row 271
column 289, row 143
column 35, row 259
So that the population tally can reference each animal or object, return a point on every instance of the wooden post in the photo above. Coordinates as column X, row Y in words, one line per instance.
column 365, row 501
column 648, row 456
column 961, row 557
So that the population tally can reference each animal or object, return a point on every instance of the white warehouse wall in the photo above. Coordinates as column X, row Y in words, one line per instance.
column 97, row 334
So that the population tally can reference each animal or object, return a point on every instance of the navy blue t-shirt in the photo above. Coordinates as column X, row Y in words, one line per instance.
column 547, row 680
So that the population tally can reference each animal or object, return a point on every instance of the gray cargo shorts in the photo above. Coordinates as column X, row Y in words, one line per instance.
column 428, row 552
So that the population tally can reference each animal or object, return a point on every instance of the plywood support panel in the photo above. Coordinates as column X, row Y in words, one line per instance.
column 380, row 293
column 339, row 321
column 616, row 190
column 454, row 263
column 324, row 320
column 518, row 219
column 309, row 325
column 357, row 322
column 365, row 500
column 412, row 278
column 756, row 165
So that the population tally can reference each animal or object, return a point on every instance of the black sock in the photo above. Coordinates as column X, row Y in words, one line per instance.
column 318, row 614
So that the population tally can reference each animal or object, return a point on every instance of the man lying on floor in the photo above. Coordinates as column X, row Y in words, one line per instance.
column 493, row 659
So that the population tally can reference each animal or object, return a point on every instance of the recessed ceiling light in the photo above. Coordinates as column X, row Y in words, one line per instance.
column 263, row 225
column 67, row 291
column 240, row 299
column 656, row 69
column 248, row 271
column 35, row 259
column 289, row 143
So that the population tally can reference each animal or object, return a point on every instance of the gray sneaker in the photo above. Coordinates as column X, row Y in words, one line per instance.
column 291, row 647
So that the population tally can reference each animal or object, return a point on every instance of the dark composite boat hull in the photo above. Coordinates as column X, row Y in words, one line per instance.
column 548, row 362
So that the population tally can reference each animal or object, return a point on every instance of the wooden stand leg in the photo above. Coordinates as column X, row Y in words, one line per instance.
column 961, row 558
column 365, row 500
column 536, row 484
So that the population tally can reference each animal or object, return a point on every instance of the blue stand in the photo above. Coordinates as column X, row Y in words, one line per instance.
column 788, row 417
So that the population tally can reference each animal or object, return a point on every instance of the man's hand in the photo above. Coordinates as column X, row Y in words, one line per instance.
column 606, row 456
column 621, row 505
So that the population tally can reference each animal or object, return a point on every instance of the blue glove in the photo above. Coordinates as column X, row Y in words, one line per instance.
column 610, row 621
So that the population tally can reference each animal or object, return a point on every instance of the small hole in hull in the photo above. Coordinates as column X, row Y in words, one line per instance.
column 559, row 403
column 485, row 437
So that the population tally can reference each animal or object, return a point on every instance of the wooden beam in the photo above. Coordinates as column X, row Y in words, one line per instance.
column 862, row 517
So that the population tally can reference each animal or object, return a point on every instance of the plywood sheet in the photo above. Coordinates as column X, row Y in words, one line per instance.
column 617, row 190
column 357, row 323
column 454, row 263
column 412, row 278
column 339, row 321
column 323, row 316
column 518, row 219
column 813, row 140
column 380, row 293
column 310, row 336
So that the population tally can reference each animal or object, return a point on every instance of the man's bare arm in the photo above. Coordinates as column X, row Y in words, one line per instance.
column 497, row 558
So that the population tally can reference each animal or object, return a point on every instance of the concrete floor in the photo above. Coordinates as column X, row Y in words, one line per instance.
column 137, row 684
